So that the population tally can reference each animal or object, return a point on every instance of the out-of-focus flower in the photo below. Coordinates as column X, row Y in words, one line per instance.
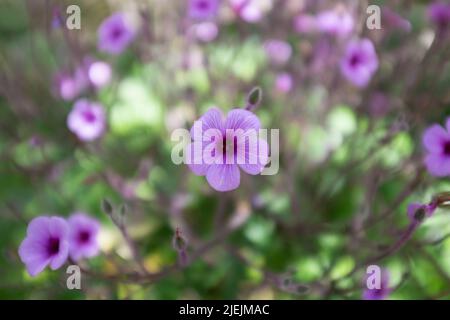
column 115, row 34
column 203, row 9
column 436, row 141
column 383, row 292
column 378, row 104
column 83, row 233
column 222, row 169
column 251, row 11
column 99, row 73
column 305, row 23
column 46, row 244
column 439, row 14
column 393, row 20
column 87, row 120
column 336, row 23
column 205, row 31
column 359, row 62
column 278, row 51
column 417, row 212
column 284, row 82
column 69, row 86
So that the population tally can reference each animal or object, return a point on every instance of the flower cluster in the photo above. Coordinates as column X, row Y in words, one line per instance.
column 51, row 240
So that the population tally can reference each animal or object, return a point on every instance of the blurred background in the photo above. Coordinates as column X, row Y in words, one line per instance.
column 351, row 156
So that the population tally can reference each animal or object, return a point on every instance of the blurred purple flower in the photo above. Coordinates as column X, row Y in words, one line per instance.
column 283, row 82
column 278, row 51
column 69, row 86
column 359, row 62
column 305, row 23
column 99, row 73
column 383, row 292
column 46, row 244
column 224, row 175
column 115, row 34
column 439, row 14
column 248, row 10
column 203, row 9
column 436, row 141
column 83, row 233
column 87, row 120
column 335, row 23
column 205, row 31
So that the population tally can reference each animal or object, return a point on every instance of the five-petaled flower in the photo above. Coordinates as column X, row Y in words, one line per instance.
column 46, row 244
column 83, row 236
column 436, row 141
column 87, row 120
column 115, row 34
column 225, row 145
column 359, row 62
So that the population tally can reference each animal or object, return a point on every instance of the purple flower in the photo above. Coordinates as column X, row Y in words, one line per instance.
column 417, row 212
column 394, row 20
column 381, row 293
column 220, row 147
column 99, row 73
column 205, row 31
column 69, row 86
column 115, row 34
column 278, row 51
column 86, row 120
column 439, row 14
column 436, row 141
column 359, row 62
column 335, row 23
column 248, row 10
column 283, row 82
column 83, row 232
column 203, row 9
column 46, row 244
column 305, row 23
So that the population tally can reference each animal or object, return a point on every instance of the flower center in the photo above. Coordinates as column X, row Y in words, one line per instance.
column 84, row 237
column 203, row 5
column 355, row 60
column 89, row 116
column 53, row 246
column 447, row 148
column 116, row 33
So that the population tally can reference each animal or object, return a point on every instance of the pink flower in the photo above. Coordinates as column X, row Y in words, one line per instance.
column 335, row 23
column 223, row 145
column 360, row 62
column 205, row 31
column 99, row 73
column 115, row 34
column 87, row 120
column 278, row 51
column 305, row 23
column 203, row 9
column 436, row 141
column 83, row 233
column 46, row 244
column 283, row 82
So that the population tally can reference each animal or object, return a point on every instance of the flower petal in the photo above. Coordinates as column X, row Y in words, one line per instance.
column 212, row 119
column 242, row 119
column 434, row 137
column 256, row 157
column 437, row 165
column 223, row 177
column 62, row 255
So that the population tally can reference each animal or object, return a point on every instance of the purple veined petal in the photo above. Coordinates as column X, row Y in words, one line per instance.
column 195, row 159
column 33, row 255
column 438, row 165
column 434, row 138
column 223, row 177
column 58, row 260
column 38, row 227
column 242, row 119
column 58, row 227
column 258, row 151
column 212, row 119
